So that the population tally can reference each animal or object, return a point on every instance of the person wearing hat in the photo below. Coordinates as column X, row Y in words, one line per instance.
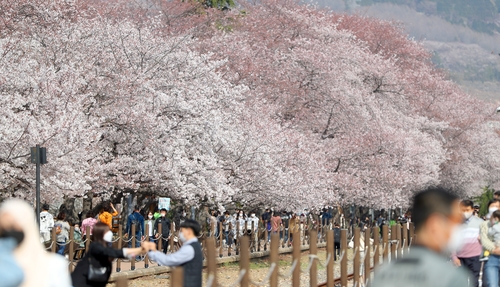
column 189, row 256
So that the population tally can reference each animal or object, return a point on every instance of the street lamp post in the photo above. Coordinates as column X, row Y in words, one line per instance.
column 38, row 157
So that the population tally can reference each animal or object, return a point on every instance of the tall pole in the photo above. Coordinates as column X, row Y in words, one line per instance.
column 38, row 184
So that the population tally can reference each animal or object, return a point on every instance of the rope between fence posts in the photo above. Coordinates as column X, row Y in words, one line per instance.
column 240, row 277
column 355, row 251
column 210, row 280
column 374, row 251
column 266, row 279
column 341, row 255
column 64, row 244
column 51, row 243
column 294, row 265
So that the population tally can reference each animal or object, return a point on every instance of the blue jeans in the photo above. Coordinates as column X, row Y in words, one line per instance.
column 60, row 247
column 226, row 236
column 491, row 269
column 138, row 238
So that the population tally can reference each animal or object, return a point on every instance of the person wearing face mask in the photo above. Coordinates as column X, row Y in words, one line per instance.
column 99, row 257
column 486, row 241
column 470, row 252
column 492, row 267
column 436, row 216
column 150, row 224
column 20, row 238
column 189, row 256
column 11, row 236
column 255, row 231
column 164, row 222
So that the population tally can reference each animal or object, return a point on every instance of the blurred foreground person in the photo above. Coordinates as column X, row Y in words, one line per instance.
column 436, row 215
column 189, row 256
column 95, row 267
column 11, row 236
column 40, row 268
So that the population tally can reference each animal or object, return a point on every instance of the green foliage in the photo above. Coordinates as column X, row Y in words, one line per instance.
column 483, row 200
column 219, row 4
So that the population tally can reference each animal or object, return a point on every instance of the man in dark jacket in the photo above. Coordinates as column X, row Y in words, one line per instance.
column 135, row 218
column 164, row 222
column 189, row 256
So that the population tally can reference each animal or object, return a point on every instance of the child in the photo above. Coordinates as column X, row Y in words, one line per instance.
column 494, row 230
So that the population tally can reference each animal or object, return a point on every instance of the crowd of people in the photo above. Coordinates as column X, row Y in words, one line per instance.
column 453, row 242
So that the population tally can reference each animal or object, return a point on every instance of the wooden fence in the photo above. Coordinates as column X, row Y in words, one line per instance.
column 369, row 249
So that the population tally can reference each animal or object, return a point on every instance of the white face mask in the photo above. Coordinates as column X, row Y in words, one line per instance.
column 77, row 228
column 253, row 215
column 150, row 216
column 467, row 215
column 108, row 236
column 182, row 238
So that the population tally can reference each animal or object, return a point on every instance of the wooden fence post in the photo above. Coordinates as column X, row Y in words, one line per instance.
column 230, row 237
column 367, row 270
column 394, row 238
column 259, row 234
column 304, row 229
column 212, row 229
column 237, row 244
column 87, row 237
column 412, row 235
column 221, row 239
column 177, row 277
column 120, row 243
column 343, row 262
column 266, row 235
column 313, row 250
column 71, row 250
column 400, row 240
column 330, row 249
column 245, row 260
column 404, row 237
column 357, row 250
column 283, row 235
column 385, row 242
column 132, row 261
column 53, row 236
column 121, row 282
column 320, row 232
column 146, row 239
column 211, row 260
column 253, row 236
column 376, row 244
column 291, row 234
column 160, row 237
column 275, row 240
column 296, row 257
column 171, row 239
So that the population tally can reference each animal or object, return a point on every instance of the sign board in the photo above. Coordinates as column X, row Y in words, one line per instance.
column 164, row 202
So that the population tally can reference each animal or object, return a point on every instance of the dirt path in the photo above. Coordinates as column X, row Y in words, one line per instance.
column 228, row 273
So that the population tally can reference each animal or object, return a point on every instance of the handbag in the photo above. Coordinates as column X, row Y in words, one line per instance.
column 97, row 274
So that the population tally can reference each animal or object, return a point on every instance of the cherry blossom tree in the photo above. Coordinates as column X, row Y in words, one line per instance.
column 268, row 104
